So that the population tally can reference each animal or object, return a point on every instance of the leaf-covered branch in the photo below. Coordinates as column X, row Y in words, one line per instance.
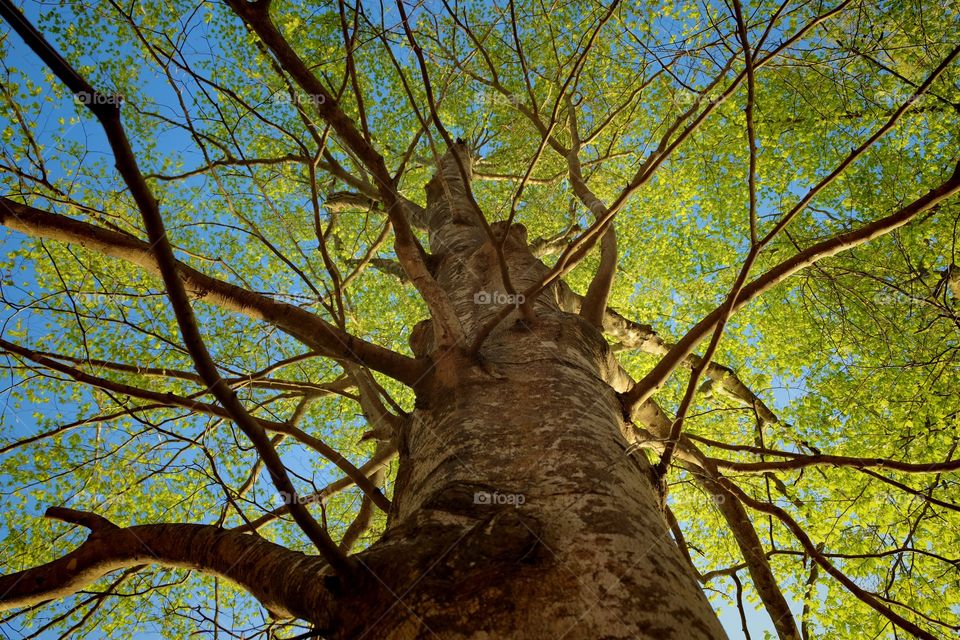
column 653, row 381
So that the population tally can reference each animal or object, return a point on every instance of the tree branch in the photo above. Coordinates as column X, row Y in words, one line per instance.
column 306, row 327
column 802, row 461
column 287, row 583
column 634, row 335
column 594, row 303
column 736, row 517
column 825, row 564
column 171, row 399
column 408, row 249
column 577, row 249
column 381, row 458
column 108, row 114
column 654, row 380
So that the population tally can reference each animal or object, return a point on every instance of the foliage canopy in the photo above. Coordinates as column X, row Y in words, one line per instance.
column 856, row 354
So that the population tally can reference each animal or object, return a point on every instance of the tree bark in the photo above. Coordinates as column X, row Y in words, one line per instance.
column 518, row 511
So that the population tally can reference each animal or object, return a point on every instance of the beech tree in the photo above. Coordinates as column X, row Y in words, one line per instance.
column 480, row 319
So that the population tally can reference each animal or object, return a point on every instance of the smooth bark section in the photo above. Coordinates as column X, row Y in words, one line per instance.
column 288, row 583
column 595, row 302
column 306, row 327
column 598, row 292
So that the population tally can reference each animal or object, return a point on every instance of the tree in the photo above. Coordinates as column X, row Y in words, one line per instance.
column 481, row 319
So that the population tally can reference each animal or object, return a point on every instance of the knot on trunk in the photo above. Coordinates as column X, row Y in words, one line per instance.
column 421, row 338
column 502, row 532
column 508, row 535
column 515, row 233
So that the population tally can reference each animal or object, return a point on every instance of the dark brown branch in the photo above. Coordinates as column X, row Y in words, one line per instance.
column 738, row 521
column 126, row 164
column 803, row 461
column 380, row 458
column 825, row 564
column 407, row 248
column 171, row 399
column 258, row 380
column 743, row 613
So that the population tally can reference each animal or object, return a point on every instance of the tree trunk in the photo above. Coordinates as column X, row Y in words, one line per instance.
column 518, row 511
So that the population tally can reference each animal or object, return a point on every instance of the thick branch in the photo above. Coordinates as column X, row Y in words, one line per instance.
column 595, row 302
column 288, row 583
column 348, row 200
column 818, row 557
column 306, row 327
column 750, row 546
column 634, row 335
column 737, row 519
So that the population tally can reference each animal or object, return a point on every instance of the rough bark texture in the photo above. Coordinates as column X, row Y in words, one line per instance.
column 517, row 511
